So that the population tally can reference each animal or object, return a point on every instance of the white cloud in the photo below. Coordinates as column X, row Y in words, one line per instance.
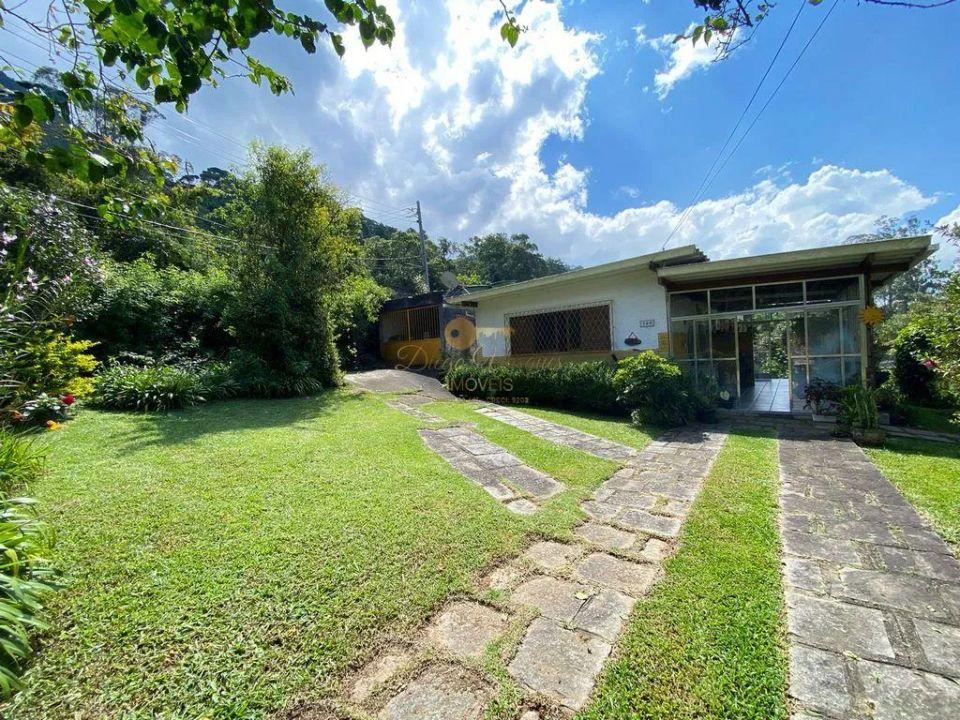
column 949, row 252
column 682, row 58
column 458, row 120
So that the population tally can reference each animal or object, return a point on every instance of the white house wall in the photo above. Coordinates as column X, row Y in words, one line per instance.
column 635, row 299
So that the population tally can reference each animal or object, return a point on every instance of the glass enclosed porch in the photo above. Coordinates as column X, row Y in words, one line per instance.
column 763, row 344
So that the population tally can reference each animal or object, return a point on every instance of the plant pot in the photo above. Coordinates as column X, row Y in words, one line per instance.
column 870, row 437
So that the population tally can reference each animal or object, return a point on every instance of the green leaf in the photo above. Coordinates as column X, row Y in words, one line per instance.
column 308, row 43
column 22, row 115
column 510, row 32
column 338, row 47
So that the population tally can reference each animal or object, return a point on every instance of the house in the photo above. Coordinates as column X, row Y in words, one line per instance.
column 422, row 330
column 762, row 328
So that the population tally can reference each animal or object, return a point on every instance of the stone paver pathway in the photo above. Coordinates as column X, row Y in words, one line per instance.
column 873, row 594
column 556, row 610
column 503, row 475
column 560, row 434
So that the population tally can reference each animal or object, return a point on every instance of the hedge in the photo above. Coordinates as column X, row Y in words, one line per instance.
column 580, row 386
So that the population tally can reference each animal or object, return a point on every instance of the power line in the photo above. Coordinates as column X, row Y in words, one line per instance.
column 777, row 88
column 756, row 91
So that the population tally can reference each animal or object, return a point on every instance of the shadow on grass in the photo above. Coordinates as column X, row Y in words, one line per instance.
column 226, row 416
column 926, row 448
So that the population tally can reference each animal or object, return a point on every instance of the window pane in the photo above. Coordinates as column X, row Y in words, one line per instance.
column 826, row 369
column 779, row 295
column 727, row 377
column 681, row 339
column 731, row 299
column 688, row 367
column 851, row 329
column 796, row 335
column 823, row 332
column 703, row 339
column 705, row 373
column 851, row 371
column 798, row 377
column 689, row 303
column 724, row 339
column 835, row 290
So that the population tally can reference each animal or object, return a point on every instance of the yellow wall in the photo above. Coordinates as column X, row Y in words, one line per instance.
column 412, row 353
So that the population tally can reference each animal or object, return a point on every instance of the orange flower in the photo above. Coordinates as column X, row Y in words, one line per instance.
column 53, row 424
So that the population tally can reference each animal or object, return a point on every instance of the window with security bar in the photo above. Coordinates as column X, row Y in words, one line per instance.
column 422, row 323
column 570, row 330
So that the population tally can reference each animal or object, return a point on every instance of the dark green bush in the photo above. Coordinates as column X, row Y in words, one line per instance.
column 148, row 310
column 654, row 390
column 915, row 380
column 584, row 386
column 150, row 387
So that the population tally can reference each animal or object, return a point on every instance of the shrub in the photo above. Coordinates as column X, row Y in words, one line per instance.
column 354, row 310
column 44, row 361
column 20, row 460
column 584, row 386
column 147, row 387
column 917, row 381
column 858, row 408
column 654, row 390
column 147, row 310
column 25, row 577
column 822, row 396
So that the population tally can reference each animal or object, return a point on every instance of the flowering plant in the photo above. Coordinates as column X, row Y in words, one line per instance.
column 46, row 409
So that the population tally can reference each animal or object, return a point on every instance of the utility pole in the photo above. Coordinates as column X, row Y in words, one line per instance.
column 423, row 248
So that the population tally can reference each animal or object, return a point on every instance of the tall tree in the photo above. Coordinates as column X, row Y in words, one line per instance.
column 924, row 280
column 300, row 245
column 499, row 258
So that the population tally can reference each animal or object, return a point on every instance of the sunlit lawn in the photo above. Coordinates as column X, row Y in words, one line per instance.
column 226, row 559
column 928, row 474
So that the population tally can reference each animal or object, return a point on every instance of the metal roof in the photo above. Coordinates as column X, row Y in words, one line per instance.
column 882, row 259
column 664, row 258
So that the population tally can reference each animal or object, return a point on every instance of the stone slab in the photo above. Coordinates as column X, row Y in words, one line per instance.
column 521, row 506
column 559, row 663
column 838, row 626
column 818, row 681
column 612, row 572
column 554, row 598
column 897, row 693
column 441, row 692
column 551, row 556
column 605, row 536
column 941, row 646
column 376, row 673
column 604, row 614
column 642, row 521
column 464, row 629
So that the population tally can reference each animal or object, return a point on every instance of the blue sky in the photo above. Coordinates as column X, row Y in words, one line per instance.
column 594, row 133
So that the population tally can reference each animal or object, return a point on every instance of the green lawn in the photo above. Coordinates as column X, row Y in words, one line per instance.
column 226, row 559
column 708, row 642
column 928, row 474
column 935, row 419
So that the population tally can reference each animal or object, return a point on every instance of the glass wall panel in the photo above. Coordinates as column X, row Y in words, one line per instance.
column 703, row 339
column 779, row 295
column 727, row 376
column 834, row 290
column 796, row 335
column 687, row 367
column 798, row 377
column 688, row 303
column 851, row 329
column 823, row 332
column 731, row 299
column 851, row 371
column 826, row 369
column 681, row 338
column 705, row 372
column 724, row 337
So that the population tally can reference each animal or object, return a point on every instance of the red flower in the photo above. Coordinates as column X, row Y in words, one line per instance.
column 929, row 363
column 68, row 399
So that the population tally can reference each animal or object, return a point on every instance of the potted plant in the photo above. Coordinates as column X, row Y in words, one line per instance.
column 822, row 397
column 706, row 398
column 859, row 413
